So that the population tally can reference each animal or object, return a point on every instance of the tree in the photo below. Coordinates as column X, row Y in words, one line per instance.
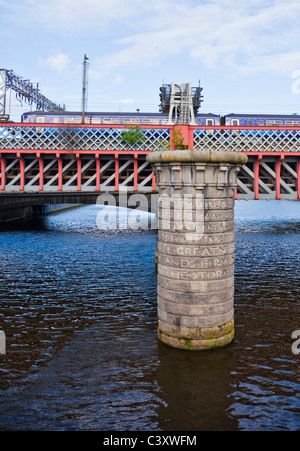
column 132, row 136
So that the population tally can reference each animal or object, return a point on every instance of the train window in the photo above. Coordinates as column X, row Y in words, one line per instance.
column 95, row 120
column 128, row 120
column 151, row 121
column 72, row 120
column 274, row 123
column 261, row 123
column 210, row 122
column 111, row 120
column 291, row 123
column 40, row 120
column 235, row 122
column 250, row 123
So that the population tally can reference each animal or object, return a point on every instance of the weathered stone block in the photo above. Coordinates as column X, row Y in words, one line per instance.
column 186, row 238
column 195, row 297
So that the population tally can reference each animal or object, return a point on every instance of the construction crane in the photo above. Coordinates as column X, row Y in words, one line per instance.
column 25, row 91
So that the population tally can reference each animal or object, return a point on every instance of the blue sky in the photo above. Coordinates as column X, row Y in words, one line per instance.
column 246, row 54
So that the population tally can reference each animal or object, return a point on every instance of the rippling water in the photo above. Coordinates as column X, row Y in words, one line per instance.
column 78, row 306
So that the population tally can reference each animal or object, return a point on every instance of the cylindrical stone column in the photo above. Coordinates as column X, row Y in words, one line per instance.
column 196, row 246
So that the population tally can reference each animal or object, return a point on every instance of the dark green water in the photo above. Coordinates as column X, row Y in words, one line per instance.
column 78, row 306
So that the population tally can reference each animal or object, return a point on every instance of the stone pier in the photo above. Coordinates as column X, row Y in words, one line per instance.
column 196, row 246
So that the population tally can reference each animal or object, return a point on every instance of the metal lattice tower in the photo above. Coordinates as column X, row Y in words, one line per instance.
column 25, row 91
column 181, row 102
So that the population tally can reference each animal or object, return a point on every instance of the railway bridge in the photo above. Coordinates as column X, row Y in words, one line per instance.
column 63, row 163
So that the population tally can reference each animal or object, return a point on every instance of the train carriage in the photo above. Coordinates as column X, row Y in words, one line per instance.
column 108, row 118
column 261, row 120
column 279, row 126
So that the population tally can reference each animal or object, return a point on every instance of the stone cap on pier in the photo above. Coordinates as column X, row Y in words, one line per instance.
column 197, row 156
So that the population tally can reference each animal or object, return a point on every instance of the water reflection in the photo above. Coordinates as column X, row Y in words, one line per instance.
column 195, row 390
column 78, row 306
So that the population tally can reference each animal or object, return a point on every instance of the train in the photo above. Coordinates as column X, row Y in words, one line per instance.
column 109, row 118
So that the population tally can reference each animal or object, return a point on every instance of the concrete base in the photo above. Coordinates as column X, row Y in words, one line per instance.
column 210, row 338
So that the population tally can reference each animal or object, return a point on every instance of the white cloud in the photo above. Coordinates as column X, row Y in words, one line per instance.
column 240, row 36
column 126, row 101
column 256, row 36
column 118, row 80
column 58, row 62
column 281, row 64
column 70, row 15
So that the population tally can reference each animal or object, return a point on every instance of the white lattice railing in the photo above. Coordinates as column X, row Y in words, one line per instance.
column 109, row 138
column 19, row 137
column 239, row 139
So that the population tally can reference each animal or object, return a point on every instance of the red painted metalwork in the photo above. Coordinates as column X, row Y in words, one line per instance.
column 151, row 127
column 135, row 173
column 191, row 138
column 2, row 163
column 41, row 173
column 186, row 135
column 78, row 172
column 97, row 173
column 298, row 179
column 98, row 153
column 153, row 181
column 22, row 172
column 172, row 146
column 256, row 177
column 117, row 165
column 239, row 127
column 60, row 172
column 278, row 174
column 35, row 139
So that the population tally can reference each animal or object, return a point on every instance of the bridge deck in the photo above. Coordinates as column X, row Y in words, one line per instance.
column 67, row 159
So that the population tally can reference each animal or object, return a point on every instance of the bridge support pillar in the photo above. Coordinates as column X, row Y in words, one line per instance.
column 196, row 246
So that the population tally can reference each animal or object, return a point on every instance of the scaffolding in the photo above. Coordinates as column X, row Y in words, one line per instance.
column 25, row 91
column 181, row 102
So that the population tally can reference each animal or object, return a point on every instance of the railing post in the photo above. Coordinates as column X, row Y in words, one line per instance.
column 153, row 181
column 135, row 173
column 278, row 176
column 116, row 172
column 41, row 172
column 298, row 179
column 22, row 172
column 256, row 177
column 2, row 163
column 60, row 172
column 78, row 172
column 97, row 172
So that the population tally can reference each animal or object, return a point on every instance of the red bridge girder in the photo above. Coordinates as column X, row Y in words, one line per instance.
column 41, row 158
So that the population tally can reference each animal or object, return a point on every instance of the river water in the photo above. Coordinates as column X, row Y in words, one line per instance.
column 78, row 307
